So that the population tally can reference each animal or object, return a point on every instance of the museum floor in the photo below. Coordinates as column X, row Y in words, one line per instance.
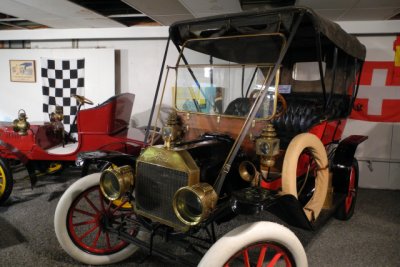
column 370, row 238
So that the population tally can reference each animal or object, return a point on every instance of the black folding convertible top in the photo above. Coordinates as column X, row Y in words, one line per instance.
column 266, row 21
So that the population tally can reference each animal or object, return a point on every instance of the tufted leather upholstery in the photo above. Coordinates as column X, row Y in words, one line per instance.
column 303, row 112
column 300, row 116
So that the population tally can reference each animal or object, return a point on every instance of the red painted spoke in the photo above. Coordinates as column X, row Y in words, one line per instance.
column 262, row 256
column 119, row 206
column 350, row 194
column 84, row 212
column 108, row 241
column 246, row 259
column 84, row 223
column 94, row 244
column 226, row 265
column 275, row 259
column 88, row 232
column 287, row 261
column 92, row 205
column 101, row 200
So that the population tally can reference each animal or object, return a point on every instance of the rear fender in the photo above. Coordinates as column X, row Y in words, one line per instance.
column 343, row 160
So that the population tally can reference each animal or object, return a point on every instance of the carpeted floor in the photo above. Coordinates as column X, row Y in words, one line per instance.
column 370, row 238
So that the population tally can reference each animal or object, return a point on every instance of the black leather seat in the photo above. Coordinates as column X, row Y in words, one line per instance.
column 303, row 112
column 306, row 110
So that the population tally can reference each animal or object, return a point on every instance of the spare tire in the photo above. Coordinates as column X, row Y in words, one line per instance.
column 289, row 171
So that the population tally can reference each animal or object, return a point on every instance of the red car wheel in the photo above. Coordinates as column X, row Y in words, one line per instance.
column 256, row 244
column 346, row 210
column 80, row 219
column 86, row 219
column 261, row 254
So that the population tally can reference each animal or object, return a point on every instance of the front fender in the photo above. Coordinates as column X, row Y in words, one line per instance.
column 85, row 159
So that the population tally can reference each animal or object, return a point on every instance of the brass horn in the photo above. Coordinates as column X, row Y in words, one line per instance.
column 249, row 172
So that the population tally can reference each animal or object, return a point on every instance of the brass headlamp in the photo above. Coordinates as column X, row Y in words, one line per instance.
column 193, row 204
column 21, row 125
column 114, row 182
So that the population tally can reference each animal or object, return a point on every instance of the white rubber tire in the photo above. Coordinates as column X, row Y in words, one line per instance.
column 289, row 175
column 252, row 233
column 60, row 226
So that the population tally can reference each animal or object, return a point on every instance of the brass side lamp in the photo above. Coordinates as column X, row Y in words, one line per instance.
column 21, row 124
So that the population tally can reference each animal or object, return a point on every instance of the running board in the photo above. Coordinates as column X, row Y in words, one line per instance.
column 287, row 207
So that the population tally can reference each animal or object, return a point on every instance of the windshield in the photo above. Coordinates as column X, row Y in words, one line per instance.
column 224, row 76
column 223, row 89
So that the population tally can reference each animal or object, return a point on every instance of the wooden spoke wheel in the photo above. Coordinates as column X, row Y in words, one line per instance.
column 80, row 224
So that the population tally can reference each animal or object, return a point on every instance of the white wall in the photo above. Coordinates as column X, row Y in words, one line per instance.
column 138, row 61
column 139, row 69
column 99, row 79
column 138, row 64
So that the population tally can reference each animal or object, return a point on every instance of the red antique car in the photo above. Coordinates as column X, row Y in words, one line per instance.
column 42, row 148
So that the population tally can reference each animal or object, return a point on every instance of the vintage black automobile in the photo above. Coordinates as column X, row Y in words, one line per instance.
column 260, row 101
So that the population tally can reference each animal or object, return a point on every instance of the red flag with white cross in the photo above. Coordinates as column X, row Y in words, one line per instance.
column 378, row 98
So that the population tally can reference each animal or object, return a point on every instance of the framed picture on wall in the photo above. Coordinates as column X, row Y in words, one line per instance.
column 22, row 71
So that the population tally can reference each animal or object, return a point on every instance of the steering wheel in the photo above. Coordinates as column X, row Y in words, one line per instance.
column 281, row 99
column 283, row 107
column 82, row 100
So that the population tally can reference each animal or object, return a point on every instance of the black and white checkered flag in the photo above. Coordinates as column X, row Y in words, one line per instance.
column 62, row 78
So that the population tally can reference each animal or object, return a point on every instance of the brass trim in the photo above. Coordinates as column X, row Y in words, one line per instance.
column 159, row 106
column 179, row 160
column 247, row 171
column 174, row 159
